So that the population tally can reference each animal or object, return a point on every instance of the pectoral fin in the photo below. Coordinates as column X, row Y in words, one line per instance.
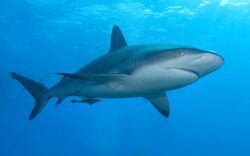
column 95, row 77
column 160, row 102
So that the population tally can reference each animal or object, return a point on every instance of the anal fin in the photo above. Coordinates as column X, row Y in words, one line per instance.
column 60, row 100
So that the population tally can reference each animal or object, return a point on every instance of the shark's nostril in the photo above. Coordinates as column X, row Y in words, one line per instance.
column 200, row 56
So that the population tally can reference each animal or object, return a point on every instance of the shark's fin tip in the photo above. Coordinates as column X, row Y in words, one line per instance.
column 160, row 102
column 13, row 75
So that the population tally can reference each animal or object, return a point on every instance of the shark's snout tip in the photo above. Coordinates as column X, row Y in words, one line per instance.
column 219, row 59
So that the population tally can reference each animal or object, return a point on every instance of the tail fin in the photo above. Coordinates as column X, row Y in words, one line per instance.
column 37, row 90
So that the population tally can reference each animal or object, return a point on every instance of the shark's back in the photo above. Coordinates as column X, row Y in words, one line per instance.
column 122, row 60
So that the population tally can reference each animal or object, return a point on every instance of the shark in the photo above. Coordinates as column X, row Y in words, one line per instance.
column 147, row 70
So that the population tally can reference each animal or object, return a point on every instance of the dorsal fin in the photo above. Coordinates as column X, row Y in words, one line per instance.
column 117, row 39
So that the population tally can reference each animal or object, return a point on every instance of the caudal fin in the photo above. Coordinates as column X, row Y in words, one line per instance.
column 37, row 90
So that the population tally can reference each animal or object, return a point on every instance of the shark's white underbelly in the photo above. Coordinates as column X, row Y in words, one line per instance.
column 142, row 82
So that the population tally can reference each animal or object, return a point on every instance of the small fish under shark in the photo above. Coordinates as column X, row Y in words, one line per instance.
column 125, row 71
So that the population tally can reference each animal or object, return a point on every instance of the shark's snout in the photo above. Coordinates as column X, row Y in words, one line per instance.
column 215, row 60
column 210, row 62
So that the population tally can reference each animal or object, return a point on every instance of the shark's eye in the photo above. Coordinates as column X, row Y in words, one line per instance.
column 181, row 53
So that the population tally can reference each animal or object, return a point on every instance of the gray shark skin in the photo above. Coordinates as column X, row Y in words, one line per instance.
column 146, row 71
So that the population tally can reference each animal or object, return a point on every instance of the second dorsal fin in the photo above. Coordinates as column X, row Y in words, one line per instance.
column 117, row 39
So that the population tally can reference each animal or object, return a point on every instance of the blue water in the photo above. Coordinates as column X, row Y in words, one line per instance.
column 41, row 37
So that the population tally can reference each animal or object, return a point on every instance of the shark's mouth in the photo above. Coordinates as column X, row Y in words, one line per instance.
column 187, row 70
column 191, row 71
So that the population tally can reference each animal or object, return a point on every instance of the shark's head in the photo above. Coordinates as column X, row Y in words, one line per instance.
column 184, row 65
column 197, row 61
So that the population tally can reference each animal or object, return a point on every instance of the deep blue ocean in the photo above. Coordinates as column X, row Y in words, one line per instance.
column 210, row 117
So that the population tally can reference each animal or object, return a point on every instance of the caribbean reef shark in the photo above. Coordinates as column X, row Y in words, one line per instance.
column 146, row 71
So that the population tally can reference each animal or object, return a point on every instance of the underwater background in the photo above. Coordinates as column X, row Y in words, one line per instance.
column 41, row 37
